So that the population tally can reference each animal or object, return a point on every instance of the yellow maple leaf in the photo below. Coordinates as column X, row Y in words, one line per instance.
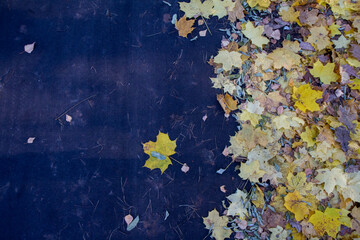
column 196, row 8
column 319, row 38
column 222, row 7
column 184, row 26
column 159, row 152
column 255, row 34
column 331, row 178
column 334, row 30
column 278, row 233
column 251, row 171
column 284, row 57
column 217, row 224
column 263, row 61
column 289, row 14
column 325, row 73
column 237, row 206
column 259, row 3
column 309, row 136
column 296, row 204
column 298, row 183
column 330, row 221
column 305, row 97
column 248, row 116
column 228, row 59
column 258, row 198
column 246, row 139
column 355, row 84
column 343, row 8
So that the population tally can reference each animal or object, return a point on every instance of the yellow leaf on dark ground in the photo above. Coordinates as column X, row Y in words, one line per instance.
column 184, row 26
column 159, row 152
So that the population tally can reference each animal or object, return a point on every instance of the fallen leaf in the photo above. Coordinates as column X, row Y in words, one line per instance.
column 325, row 73
column 295, row 203
column 255, row 34
column 329, row 221
column 342, row 42
column 221, row 7
column 343, row 137
column 196, row 8
column 128, row 219
column 185, row 168
column 217, row 224
column 227, row 103
column 228, row 59
column 305, row 97
column 251, row 171
column 159, row 152
column 222, row 188
column 259, row 3
column 331, row 178
column 237, row 206
column 278, row 233
column 203, row 33
column 319, row 38
column 204, row 117
column 184, row 26
column 225, row 152
column 68, row 118
column 29, row 48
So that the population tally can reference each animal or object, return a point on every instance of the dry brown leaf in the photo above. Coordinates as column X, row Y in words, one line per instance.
column 184, row 26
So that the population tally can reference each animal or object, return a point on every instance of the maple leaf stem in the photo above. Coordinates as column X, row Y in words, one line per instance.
column 228, row 165
column 206, row 24
column 176, row 160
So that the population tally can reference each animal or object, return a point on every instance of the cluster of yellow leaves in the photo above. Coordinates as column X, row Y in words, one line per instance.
column 298, row 112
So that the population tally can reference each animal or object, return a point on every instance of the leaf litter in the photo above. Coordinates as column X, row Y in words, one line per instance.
column 289, row 74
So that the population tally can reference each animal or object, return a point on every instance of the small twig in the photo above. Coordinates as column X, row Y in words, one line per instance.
column 206, row 24
column 176, row 161
column 77, row 104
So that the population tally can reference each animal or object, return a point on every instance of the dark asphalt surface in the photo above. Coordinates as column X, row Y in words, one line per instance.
column 123, row 74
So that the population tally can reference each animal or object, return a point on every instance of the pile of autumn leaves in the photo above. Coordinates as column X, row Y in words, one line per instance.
column 299, row 116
